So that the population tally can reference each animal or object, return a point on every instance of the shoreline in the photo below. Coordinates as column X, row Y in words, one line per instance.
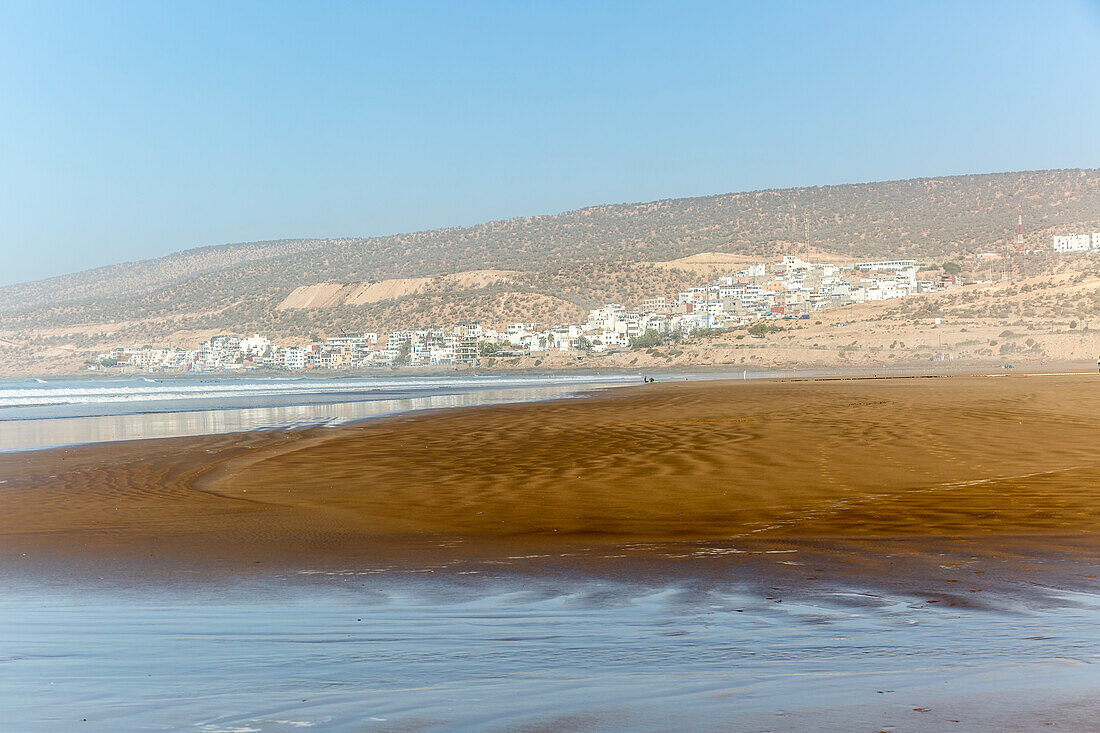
column 967, row 365
column 704, row 374
column 117, row 419
column 871, row 480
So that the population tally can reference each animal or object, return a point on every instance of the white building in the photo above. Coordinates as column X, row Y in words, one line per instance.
column 519, row 328
column 254, row 345
column 794, row 264
column 1072, row 242
column 886, row 265
column 603, row 318
column 294, row 357
column 342, row 340
column 150, row 357
column 469, row 329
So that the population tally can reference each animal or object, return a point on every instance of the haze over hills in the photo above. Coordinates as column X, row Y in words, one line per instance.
column 541, row 268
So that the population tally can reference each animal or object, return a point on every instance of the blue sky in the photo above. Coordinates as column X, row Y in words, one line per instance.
column 130, row 130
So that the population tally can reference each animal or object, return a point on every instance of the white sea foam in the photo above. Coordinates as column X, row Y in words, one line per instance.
column 148, row 390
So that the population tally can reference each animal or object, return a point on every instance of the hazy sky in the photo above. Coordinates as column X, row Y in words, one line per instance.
column 130, row 130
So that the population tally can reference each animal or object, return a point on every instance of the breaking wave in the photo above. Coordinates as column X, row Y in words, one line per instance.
column 144, row 390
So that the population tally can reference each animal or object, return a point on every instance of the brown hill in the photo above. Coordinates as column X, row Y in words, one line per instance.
column 542, row 268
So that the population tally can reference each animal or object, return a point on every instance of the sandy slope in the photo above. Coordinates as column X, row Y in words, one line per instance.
column 328, row 295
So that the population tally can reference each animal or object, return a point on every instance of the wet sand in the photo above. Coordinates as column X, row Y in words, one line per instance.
column 858, row 478
column 783, row 555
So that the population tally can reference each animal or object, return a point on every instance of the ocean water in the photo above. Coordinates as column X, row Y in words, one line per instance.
column 41, row 398
column 38, row 413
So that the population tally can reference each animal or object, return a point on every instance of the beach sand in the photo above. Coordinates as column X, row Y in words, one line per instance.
column 866, row 478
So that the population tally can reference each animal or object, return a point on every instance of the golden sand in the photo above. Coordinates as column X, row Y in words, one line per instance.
column 722, row 461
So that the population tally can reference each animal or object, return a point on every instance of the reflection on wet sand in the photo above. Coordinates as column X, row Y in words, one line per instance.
column 53, row 432
column 546, row 655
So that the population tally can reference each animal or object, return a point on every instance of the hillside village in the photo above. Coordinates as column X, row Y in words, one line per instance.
column 748, row 298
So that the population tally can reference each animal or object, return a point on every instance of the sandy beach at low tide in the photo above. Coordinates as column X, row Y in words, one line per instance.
column 834, row 554
column 870, row 477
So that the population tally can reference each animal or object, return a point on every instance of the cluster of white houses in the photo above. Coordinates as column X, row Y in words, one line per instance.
column 788, row 289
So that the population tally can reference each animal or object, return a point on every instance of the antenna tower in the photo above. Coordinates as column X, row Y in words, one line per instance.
column 1019, row 229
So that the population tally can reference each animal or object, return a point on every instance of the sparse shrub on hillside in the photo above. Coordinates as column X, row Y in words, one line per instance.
column 647, row 340
column 759, row 329
column 705, row 333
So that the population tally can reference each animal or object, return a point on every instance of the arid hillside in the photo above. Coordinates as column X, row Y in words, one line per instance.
column 135, row 278
column 1036, row 319
column 545, row 269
